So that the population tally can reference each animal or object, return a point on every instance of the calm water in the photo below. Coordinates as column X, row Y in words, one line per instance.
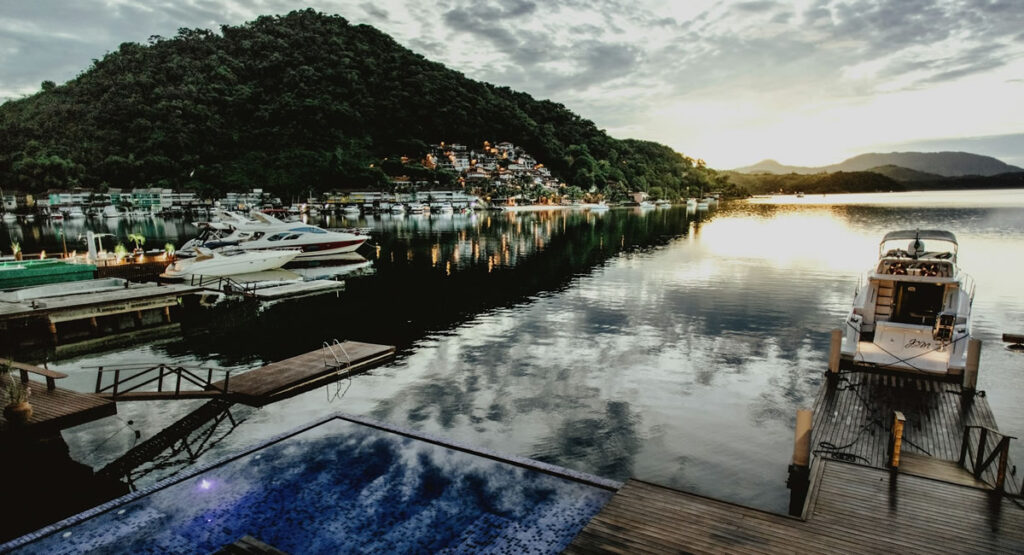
column 671, row 347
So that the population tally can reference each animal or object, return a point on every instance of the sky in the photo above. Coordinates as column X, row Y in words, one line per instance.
column 732, row 82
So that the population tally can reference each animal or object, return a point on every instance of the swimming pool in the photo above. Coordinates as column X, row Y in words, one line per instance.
column 341, row 485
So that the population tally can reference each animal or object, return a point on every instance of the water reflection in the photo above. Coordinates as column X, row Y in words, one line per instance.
column 669, row 346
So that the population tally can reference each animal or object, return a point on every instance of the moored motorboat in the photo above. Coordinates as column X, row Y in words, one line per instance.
column 351, row 210
column 110, row 211
column 220, row 263
column 912, row 310
column 268, row 233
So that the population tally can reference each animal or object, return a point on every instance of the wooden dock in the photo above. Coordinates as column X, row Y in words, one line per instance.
column 295, row 375
column 901, row 463
column 54, row 408
column 257, row 387
column 854, row 509
column 63, row 319
column 852, row 418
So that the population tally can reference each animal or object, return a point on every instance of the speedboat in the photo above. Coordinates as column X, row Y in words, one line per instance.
column 912, row 310
column 691, row 203
column 75, row 213
column 599, row 207
column 397, row 209
column 662, row 203
column 265, row 232
column 351, row 210
column 220, row 263
column 10, row 217
column 646, row 205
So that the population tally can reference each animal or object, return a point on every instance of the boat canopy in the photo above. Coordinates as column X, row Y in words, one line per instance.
column 923, row 234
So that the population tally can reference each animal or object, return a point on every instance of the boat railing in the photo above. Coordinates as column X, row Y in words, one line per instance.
column 985, row 453
column 329, row 348
column 967, row 283
column 127, row 379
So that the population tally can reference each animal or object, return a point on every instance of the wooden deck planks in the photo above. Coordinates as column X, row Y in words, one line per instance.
column 855, row 508
column 291, row 376
column 61, row 408
column 856, row 414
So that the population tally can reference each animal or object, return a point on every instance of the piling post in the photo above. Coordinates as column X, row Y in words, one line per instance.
column 799, row 471
column 896, row 439
column 834, row 350
column 971, row 368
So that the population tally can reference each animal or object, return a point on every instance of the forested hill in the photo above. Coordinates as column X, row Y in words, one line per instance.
column 292, row 103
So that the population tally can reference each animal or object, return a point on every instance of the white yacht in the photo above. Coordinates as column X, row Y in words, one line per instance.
column 397, row 208
column 76, row 213
column 662, row 203
column 599, row 207
column 229, row 262
column 351, row 210
column 110, row 211
column 912, row 310
column 646, row 205
column 9, row 217
column 267, row 232
column 416, row 208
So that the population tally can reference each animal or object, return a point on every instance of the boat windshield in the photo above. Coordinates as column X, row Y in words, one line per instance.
column 930, row 243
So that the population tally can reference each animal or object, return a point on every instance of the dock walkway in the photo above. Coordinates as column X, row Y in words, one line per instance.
column 854, row 509
column 852, row 419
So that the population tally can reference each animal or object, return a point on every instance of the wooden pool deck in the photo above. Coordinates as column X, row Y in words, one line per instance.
column 853, row 509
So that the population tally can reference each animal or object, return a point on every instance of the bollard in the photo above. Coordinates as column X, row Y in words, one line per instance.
column 971, row 368
column 799, row 471
column 834, row 351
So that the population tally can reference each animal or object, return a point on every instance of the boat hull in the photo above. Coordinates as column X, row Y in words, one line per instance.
column 230, row 265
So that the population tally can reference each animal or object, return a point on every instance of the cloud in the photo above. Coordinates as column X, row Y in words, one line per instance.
column 374, row 11
column 625, row 64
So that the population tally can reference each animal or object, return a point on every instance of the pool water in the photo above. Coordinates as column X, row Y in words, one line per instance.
column 344, row 486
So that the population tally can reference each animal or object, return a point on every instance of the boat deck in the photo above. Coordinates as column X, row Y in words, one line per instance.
column 854, row 509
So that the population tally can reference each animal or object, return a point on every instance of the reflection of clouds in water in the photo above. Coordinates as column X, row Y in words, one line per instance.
column 355, row 491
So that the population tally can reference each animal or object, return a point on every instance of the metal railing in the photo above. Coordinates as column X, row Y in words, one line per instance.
column 127, row 379
column 982, row 455
column 225, row 284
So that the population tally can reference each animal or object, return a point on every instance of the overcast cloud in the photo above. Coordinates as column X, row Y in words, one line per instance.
column 806, row 82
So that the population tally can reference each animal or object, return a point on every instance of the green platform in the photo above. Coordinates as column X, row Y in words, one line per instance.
column 25, row 273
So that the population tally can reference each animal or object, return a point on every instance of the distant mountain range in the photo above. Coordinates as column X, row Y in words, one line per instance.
column 901, row 166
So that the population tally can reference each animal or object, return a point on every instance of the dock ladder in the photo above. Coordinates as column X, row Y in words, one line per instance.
column 329, row 348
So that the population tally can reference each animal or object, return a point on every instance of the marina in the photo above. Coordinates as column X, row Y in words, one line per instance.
column 445, row 382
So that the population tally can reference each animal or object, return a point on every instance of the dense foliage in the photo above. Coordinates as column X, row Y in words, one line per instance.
column 863, row 182
column 295, row 103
